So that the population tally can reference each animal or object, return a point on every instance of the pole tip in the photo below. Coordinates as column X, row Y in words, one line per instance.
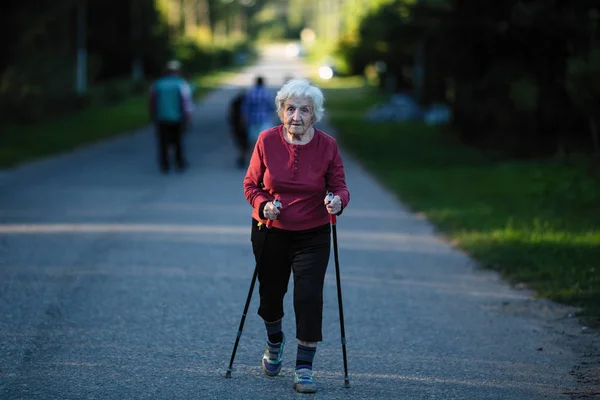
column 346, row 383
column 228, row 374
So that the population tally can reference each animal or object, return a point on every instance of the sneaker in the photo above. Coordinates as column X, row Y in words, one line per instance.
column 303, row 381
column 271, row 360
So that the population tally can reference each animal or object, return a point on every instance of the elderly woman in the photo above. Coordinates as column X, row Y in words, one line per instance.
column 297, row 164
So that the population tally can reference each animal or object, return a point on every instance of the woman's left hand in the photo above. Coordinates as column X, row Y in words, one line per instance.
column 334, row 206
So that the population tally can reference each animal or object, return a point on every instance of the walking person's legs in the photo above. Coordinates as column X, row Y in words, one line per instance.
column 242, row 134
column 162, row 133
column 309, row 266
column 177, row 130
column 273, row 277
column 241, row 142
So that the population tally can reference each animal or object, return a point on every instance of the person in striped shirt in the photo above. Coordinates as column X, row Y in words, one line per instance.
column 258, row 109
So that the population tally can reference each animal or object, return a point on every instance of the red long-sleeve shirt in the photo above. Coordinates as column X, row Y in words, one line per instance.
column 299, row 175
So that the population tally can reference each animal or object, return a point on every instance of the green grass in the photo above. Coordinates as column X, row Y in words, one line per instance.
column 536, row 222
column 19, row 143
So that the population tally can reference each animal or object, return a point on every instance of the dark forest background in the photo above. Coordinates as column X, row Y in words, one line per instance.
column 522, row 76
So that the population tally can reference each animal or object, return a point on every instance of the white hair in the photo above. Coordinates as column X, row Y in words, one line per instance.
column 301, row 88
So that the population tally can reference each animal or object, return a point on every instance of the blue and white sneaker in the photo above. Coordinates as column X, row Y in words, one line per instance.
column 271, row 361
column 303, row 380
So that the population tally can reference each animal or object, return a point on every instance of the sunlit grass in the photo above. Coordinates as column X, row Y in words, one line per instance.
column 534, row 221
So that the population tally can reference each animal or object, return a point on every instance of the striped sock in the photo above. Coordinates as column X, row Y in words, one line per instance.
column 274, row 331
column 305, row 356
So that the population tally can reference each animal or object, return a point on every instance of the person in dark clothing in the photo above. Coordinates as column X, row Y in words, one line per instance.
column 170, row 109
column 238, row 128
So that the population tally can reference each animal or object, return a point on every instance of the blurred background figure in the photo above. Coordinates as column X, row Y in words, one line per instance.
column 287, row 78
column 171, row 106
column 238, row 128
column 258, row 109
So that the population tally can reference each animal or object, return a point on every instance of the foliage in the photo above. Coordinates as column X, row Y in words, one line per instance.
column 37, row 70
column 534, row 221
column 583, row 87
column 99, row 120
column 384, row 36
column 520, row 75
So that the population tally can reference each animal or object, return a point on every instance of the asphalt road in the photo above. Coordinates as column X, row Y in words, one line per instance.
column 117, row 282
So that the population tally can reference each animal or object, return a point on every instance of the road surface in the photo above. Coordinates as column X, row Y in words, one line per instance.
column 118, row 282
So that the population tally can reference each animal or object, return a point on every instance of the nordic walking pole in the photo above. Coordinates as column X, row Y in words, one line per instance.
column 249, row 298
column 333, row 220
column 239, row 333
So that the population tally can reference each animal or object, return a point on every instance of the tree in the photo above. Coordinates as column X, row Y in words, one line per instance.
column 521, row 75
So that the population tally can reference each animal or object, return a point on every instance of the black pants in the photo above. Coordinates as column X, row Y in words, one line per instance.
column 306, row 254
column 240, row 135
column 170, row 136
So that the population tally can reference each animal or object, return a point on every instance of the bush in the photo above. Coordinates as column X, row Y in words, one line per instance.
column 197, row 59
column 23, row 104
column 119, row 89
column 34, row 107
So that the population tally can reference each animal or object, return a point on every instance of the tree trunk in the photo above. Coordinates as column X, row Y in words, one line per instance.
column 594, row 133
column 137, row 66
column 552, row 98
column 81, row 74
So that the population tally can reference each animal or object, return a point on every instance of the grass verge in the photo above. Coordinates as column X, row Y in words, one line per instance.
column 536, row 222
column 19, row 143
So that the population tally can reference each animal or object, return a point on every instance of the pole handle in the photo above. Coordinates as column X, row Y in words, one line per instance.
column 277, row 204
column 332, row 217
